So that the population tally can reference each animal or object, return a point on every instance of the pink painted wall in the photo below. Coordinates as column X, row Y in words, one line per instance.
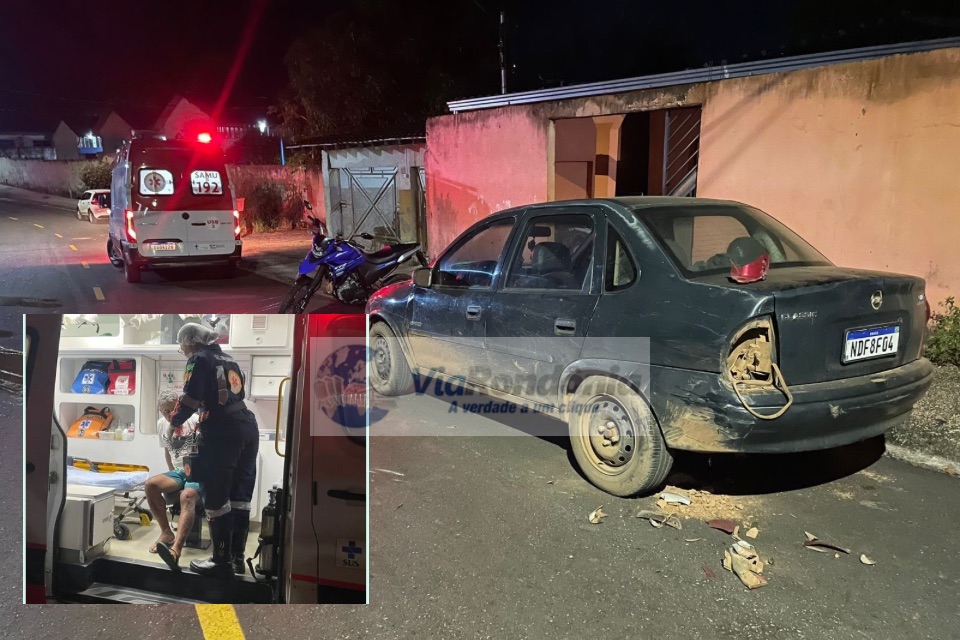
column 861, row 159
column 480, row 163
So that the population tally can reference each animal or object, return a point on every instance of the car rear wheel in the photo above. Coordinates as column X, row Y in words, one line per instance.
column 616, row 439
column 390, row 374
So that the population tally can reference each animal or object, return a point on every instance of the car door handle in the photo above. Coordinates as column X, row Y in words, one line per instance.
column 473, row 312
column 564, row 327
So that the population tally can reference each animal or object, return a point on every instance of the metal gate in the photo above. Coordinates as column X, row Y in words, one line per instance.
column 365, row 200
column 422, row 209
column 681, row 151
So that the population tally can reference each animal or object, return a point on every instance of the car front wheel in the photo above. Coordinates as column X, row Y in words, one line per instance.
column 616, row 439
column 79, row 214
column 390, row 374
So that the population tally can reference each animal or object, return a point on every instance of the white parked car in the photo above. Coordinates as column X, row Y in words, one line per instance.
column 94, row 205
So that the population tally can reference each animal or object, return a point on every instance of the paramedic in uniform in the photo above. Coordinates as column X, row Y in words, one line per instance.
column 226, row 461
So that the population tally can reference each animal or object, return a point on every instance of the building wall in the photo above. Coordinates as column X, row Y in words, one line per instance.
column 64, row 140
column 302, row 183
column 56, row 177
column 113, row 132
column 858, row 158
column 184, row 115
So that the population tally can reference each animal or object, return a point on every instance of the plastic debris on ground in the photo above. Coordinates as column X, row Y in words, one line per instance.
column 722, row 524
column 816, row 544
column 753, row 532
column 865, row 560
column 743, row 561
column 597, row 516
column 658, row 519
column 674, row 498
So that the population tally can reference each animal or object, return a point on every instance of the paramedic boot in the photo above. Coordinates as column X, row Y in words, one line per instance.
column 238, row 539
column 218, row 564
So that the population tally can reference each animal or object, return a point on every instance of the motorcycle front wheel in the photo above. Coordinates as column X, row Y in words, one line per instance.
column 297, row 298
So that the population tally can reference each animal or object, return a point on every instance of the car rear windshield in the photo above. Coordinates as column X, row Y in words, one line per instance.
column 698, row 237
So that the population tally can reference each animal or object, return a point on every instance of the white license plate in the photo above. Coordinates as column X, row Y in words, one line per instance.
column 206, row 183
column 863, row 344
column 164, row 246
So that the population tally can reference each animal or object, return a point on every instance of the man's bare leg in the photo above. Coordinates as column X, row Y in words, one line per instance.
column 155, row 487
column 189, row 499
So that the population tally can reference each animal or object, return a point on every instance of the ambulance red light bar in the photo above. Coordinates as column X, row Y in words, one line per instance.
column 204, row 137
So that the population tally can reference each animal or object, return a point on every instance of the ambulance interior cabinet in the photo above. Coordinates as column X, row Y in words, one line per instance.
column 86, row 523
column 260, row 330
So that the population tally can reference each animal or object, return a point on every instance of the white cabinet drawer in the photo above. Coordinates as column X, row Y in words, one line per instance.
column 265, row 386
column 271, row 366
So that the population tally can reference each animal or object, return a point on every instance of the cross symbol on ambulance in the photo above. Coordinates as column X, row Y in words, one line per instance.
column 352, row 550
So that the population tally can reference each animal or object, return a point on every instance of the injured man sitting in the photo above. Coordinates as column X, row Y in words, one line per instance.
column 175, row 450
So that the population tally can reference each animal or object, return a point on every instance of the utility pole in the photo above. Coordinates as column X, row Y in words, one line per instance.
column 503, row 62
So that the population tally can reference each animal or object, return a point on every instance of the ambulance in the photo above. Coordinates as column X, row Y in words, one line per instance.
column 172, row 205
column 91, row 441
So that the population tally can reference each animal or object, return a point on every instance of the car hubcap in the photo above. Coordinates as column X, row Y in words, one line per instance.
column 611, row 432
column 382, row 358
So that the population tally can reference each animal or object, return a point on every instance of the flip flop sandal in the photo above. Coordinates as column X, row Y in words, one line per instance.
column 154, row 548
column 167, row 555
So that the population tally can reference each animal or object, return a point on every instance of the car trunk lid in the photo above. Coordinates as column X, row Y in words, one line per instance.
column 834, row 323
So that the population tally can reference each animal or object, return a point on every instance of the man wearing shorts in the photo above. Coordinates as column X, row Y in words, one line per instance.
column 174, row 450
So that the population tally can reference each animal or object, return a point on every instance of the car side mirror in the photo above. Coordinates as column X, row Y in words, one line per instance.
column 423, row 277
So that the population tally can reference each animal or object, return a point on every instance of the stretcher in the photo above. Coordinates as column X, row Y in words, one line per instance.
column 127, row 482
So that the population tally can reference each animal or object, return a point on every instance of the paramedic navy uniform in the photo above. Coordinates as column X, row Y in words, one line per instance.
column 226, row 461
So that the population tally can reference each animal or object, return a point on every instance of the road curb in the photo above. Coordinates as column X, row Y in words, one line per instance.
column 920, row 459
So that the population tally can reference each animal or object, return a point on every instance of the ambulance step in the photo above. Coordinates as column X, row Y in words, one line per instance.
column 110, row 593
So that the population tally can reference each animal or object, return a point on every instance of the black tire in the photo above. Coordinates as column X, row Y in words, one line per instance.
column 116, row 259
column 131, row 271
column 90, row 218
column 639, row 461
column 296, row 299
column 390, row 373
column 79, row 215
column 121, row 531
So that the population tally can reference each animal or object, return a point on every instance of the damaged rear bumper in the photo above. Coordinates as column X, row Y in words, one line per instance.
column 700, row 412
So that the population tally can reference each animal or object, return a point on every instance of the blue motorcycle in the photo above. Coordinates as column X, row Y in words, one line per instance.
column 344, row 269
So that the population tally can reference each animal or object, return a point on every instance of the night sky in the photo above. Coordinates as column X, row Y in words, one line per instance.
column 58, row 58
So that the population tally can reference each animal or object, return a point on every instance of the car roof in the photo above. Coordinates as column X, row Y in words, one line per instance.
column 639, row 202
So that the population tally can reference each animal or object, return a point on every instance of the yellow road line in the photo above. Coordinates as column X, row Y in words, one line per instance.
column 219, row 621
column 74, row 247
column 58, row 235
column 85, row 265
column 98, row 293
column 38, row 226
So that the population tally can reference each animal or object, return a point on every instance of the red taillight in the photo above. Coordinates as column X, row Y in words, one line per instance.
column 236, row 223
column 131, row 232
column 205, row 138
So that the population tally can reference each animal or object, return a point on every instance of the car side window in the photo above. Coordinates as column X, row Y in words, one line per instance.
column 557, row 253
column 474, row 261
column 619, row 271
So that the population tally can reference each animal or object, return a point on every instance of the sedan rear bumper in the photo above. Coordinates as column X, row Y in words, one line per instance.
column 823, row 415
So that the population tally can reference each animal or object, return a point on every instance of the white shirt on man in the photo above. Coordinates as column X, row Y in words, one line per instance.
column 182, row 448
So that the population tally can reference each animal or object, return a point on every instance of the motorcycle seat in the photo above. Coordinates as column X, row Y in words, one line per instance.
column 389, row 254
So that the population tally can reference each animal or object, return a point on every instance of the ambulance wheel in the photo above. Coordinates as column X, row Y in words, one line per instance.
column 114, row 255
column 390, row 373
column 131, row 271
column 121, row 531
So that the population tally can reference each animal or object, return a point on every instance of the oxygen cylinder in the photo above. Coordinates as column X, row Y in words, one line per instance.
column 267, row 540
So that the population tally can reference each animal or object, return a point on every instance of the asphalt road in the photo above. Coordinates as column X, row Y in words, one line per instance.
column 52, row 262
column 488, row 536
